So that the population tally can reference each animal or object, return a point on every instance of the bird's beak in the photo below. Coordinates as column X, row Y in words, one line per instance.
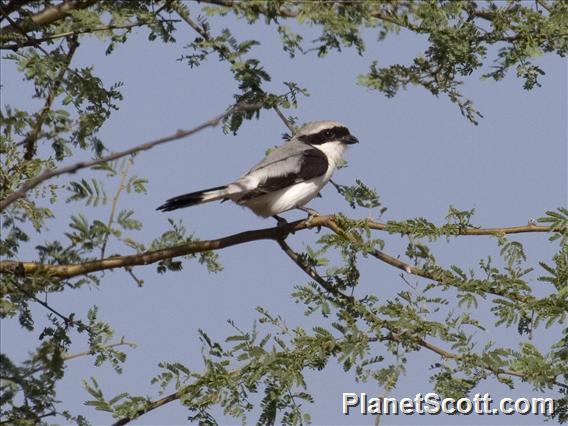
column 349, row 140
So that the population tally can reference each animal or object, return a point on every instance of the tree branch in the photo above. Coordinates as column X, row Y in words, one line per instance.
column 51, row 173
column 70, row 356
column 446, row 280
column 196, row 386
column 231, row 3
column 204, row 380
column 545, row 5
column 67, row 320
column 396, row 334
column 311, row 272
column 12, row 6
column 73, row 33
column 147, row 258
column 73, row 270
column 152, row 406
column 294, row 13
column 47, row 16
column 286, row 122
column 32, row 137
column 523, row 229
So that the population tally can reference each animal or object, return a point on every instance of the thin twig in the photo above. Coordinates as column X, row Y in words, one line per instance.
column 51, row 173
column 523, row 229
column 285, row 120
column 68, row 321
column 68, row 356
column 121, row 187
column 139, row 282
column 311, row 272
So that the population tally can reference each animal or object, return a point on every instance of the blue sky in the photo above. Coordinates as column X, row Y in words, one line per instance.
column 417, row 151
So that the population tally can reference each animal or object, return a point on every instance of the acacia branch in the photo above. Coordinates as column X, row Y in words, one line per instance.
column 66, row 356
column 285, row 120
column 523, row 229
column 442, row 279
column 283, row 12
column 309, row 270
column 32, row 137
column 292, row 9
column 32, row 41
column 287, row 12
column 12, row 6
column 149, row 257
column 67, row 320
column 69, row 356
column 545, row 5
column 328, row 221
column 36, row 41
column 395, row 334
column 74, row 33
column 195, row 387
column 152, row 406
column 47, row 16
column 51, row 173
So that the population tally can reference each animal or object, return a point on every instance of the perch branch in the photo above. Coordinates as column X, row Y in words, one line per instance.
column 72, row 270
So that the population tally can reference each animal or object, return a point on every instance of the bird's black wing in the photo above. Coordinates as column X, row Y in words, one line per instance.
column 312, row 163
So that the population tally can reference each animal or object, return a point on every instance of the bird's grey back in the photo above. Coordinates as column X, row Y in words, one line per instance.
column 293, row 149
column 288, row 150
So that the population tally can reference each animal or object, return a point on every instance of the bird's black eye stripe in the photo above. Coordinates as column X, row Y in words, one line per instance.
column 325, row 135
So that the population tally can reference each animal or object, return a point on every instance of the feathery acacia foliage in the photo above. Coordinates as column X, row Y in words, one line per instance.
column 370, row 337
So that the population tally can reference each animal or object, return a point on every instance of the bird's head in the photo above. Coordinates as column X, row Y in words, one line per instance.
column 318, row 133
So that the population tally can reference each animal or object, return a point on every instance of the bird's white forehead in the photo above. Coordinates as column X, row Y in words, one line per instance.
column 317, row 126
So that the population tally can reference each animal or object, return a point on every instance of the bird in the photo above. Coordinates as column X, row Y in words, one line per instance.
column 289, row 176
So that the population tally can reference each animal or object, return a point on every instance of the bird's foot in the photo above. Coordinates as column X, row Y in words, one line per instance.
column 311, row 214
column 281, row 221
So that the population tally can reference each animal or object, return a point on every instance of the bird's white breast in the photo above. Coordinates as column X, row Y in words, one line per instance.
column 288, row 198
column 299, row 194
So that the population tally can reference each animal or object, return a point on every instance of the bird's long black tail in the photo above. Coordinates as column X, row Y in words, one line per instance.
column 194, row 198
